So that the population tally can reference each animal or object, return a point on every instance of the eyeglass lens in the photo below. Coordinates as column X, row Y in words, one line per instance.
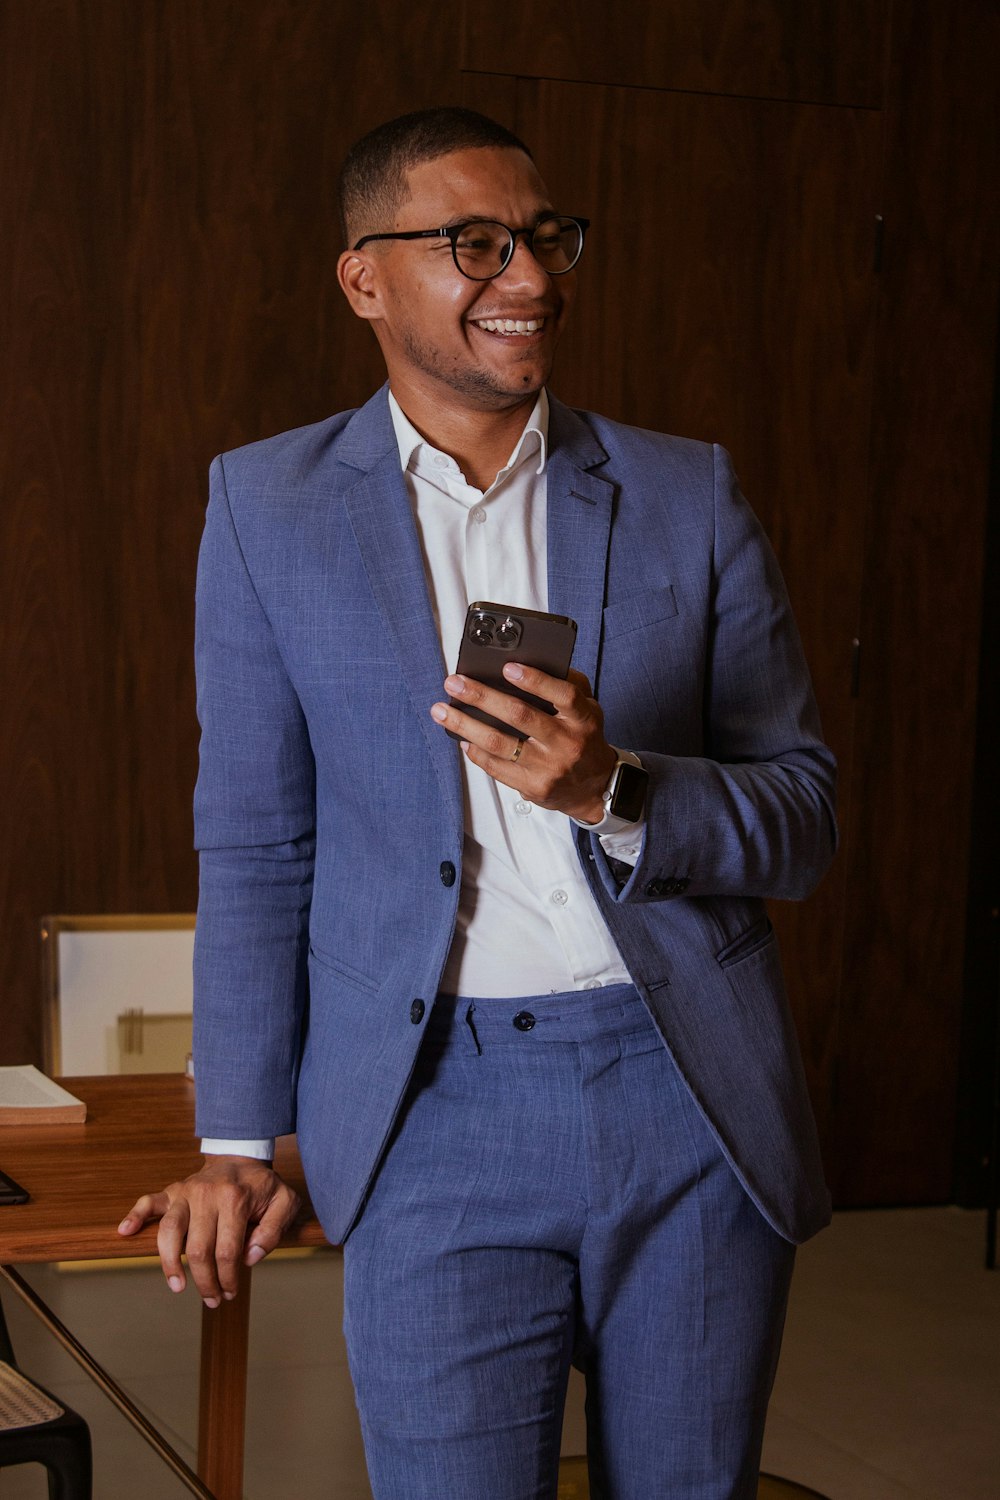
column 483, row 249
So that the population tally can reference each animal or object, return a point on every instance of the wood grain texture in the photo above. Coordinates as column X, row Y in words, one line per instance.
column 225, row 1344
column 139, row 1136
column 59, row 579
column 826, row 51
column 168, row 221
column 909, row 806
column 727, row 293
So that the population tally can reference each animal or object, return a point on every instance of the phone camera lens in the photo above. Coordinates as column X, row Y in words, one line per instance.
column 481, row 630
column 509, row 632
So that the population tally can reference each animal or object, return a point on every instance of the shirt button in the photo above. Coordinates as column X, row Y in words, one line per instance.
column 478, row 514
column 524, row 1020
column 559, row 898
column 522, row 807
column 440, row 461
column 417, row 1012
column 593, row 984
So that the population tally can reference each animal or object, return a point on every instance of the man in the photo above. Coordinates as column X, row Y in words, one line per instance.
column 516, row 991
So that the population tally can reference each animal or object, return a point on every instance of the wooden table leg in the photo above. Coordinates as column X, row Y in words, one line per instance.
column 223, row 1393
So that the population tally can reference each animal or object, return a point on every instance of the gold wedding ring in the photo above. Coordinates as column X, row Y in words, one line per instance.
column 517, row 751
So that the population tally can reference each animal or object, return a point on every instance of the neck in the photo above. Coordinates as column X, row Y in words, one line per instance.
column 480, row 442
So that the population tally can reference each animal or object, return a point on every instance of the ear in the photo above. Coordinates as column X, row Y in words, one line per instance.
column 359, row 283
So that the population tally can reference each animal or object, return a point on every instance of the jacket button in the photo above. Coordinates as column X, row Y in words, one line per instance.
column 654, row 888
column 417, row 1012
column 447, row 872
column 524, row 1020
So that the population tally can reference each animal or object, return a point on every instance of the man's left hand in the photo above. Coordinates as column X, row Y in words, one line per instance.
column 565, row 762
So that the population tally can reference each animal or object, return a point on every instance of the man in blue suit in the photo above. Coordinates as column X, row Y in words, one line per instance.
column 514, row 987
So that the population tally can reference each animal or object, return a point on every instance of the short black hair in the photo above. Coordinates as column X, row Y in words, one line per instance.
column 373, row 178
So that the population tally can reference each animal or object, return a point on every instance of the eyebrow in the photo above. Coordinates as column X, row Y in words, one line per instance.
column 458, row 219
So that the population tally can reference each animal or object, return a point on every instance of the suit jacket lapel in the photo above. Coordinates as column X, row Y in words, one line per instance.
column 580, row 506
column 381, row 517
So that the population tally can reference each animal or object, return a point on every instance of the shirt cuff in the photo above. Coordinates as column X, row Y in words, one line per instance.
column 263, row 1150
column 625, row 846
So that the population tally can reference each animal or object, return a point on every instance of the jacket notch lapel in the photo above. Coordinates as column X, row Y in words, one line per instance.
column 580, row 508
column 382, row 521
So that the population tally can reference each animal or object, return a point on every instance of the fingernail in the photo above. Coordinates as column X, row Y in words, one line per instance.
column 229, row 1296
column 455, row 684
column 254, row 1254
column 466, row 746
column 175, row 1283
column 439, row 712
column 125, row 1224
column 512, row 670
column 212, row 1302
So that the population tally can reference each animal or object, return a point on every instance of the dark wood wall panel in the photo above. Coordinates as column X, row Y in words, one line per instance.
column 830, row 51
column 908, row 834
column 728, row 293
column 169, row 226
column 60, row 580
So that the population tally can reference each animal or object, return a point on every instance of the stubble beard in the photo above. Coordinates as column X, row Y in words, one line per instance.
column 483, row 386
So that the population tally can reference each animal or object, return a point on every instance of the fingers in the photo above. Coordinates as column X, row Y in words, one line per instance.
column 214, row 1246
column 172, row 1215
column 276, row 1219
column 170, row 1238
column 570, row 695
column 149, row 1206
column 565, row 761
column 205, row 1218
column 505, row 707
column 220, row 1210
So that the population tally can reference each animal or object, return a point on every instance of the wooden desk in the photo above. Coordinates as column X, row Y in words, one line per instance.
column 83, row 1179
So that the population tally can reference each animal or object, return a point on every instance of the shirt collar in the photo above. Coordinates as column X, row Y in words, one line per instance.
column 534, row 438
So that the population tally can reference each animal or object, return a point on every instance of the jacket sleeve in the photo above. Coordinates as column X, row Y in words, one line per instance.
column 255, row 831
column 754, row 815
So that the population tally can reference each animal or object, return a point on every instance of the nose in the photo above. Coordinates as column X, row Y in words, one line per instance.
column 523, row 269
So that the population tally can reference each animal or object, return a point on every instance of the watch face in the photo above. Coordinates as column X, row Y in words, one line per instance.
column 628, row 795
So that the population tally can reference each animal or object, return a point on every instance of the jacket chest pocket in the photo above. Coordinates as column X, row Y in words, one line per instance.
column 640, row 611
column 650, row 684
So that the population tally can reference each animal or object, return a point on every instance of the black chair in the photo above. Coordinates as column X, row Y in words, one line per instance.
column 35, row 1428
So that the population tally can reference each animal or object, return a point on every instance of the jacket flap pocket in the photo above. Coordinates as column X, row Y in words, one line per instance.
column 640, row 610
column 756, row 937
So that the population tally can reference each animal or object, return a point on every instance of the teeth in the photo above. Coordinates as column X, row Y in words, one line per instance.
column 510, row 325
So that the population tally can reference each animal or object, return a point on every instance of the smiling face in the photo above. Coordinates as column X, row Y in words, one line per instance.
column 474, row 345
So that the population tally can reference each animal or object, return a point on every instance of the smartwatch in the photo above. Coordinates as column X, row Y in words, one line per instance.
column 625, row 794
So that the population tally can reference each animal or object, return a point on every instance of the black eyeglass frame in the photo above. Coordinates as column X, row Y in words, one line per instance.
column 451, row 233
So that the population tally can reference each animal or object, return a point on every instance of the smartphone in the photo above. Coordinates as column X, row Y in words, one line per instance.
column 10, row 1191
column 498, row 633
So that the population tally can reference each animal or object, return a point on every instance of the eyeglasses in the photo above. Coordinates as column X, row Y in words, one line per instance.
column 482, row 248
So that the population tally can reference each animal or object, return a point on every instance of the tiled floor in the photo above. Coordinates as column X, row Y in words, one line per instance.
column 889, row 1386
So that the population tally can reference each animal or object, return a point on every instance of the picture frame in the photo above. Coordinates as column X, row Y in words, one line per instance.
column 117, row 993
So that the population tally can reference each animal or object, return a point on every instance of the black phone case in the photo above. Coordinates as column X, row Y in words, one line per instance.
column 546, row 642
column 11, row 1191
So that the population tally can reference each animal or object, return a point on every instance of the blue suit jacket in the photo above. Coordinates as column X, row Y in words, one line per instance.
column 328, row 799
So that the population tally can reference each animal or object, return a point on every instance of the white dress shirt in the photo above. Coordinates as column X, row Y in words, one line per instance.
column 527, row 922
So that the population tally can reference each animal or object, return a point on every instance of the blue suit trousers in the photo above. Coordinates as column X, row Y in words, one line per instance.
column 552, row 1195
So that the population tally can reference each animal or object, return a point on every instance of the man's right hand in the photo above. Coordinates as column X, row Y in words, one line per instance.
column 207, row 1216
